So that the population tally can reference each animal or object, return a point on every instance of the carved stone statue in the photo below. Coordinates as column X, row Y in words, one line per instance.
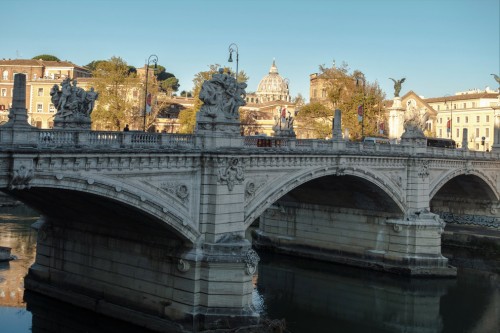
column 397, row 86
column 74, row 105
column 497, row 78
column 283, row 123
column 414, row 123
column 222, row 93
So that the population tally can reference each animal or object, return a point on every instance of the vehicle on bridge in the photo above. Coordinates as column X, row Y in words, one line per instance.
column 376, row 139
column 440, row 142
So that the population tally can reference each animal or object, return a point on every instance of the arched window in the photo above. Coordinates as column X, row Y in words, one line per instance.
column 5, row 75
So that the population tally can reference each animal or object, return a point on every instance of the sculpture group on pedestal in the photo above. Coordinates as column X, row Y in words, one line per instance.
column 74, row 105
column 283, row 123
column 222, row 94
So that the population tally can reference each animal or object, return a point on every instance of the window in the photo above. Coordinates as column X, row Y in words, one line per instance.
column 52, row 108
column 3, row 92
column 487, row 119
column 439, row 107
column 39, row 107
column 440, row 120
column 458, row 120
column 440, row 133
column 5, row 75
column 458, row 133
column 477, row 132
column 40, row 91
column 473, row 104
column 34, row 76
column 465, row 105
column 487, row 134
column 478, row 119
column 455, row 106
column 466, row 119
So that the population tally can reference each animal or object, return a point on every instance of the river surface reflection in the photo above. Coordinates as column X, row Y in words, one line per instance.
column 311, row 296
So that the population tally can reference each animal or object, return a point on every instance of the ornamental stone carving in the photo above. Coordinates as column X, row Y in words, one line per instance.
column 253, row 185
column 424, row 169
column 21, row 176
column 183, row 266
column 231, row 174
column 179, row 189
column 251, row 260
column 74, row 105
column 222, row 95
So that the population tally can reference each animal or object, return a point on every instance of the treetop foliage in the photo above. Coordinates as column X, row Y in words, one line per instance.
column 46, row 57
column 346, row 90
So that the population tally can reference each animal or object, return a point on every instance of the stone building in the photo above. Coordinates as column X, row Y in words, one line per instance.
column 447, row 116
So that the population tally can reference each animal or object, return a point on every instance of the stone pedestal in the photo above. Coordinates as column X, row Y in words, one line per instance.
column 218, row 121
column 17, row 131
column 396, row 119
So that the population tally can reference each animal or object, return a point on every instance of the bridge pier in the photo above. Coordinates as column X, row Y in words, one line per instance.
column 410, row 246
column 148, row 279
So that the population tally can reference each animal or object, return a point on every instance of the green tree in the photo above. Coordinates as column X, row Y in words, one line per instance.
column 348, row 91
column 116, row 85
column 92, row 66
column 46, row 57
column 315, row 119
column 187, row 117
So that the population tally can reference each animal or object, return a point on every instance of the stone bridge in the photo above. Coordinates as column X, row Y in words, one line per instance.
column 151, row 227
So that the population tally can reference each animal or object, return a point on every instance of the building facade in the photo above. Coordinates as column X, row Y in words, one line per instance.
column 473, row 110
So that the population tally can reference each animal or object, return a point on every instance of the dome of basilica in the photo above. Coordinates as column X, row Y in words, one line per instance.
column 273, row 87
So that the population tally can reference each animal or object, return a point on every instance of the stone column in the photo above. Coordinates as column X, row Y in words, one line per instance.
column 465, row 136
column 337, row 140
column 17, row 130
column 396, row 119
column 18, row 115
column 337, row 125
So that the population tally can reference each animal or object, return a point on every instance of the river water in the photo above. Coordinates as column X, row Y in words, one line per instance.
column 312, row 297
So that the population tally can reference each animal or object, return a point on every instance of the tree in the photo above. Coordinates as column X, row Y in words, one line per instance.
column 316, row 120
column 350, row 92
column 116, row 86
column 187, row 118
column 299, row 101
column 92, row 66
column 46, row 57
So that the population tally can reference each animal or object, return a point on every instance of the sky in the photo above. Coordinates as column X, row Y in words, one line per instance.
column 439, row 46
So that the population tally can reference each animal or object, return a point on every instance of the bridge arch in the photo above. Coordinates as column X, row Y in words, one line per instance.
column 120, row 194
column 475, row 177
column 274, row 191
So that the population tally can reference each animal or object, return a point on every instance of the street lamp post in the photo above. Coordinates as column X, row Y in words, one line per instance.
column 154, row 59
column 231, row 50
column 362, row 105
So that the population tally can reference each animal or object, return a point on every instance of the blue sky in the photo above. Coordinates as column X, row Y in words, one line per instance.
column 439, row 46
